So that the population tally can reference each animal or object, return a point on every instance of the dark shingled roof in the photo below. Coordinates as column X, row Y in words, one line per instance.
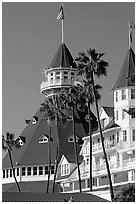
column 62, row 58
column 35, row 153
column 109, row 111
column 44, row 197
column 112, row 124
column 127, row 70
column 31, row 186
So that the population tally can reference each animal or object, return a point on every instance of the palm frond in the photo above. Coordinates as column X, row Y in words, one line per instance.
column 101, row 68
column 97, row 87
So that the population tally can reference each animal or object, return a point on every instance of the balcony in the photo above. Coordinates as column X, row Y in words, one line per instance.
column 57, row 82
column 115, row 166
column 98, row 146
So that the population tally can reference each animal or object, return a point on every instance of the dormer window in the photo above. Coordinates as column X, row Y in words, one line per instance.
column 43, row 139
column 70, row 139
column 20, row 142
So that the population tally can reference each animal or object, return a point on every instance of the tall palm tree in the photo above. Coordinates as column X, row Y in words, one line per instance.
column 72, row 98
column 91, row 64
column 86, row 96
column 48, row 112
column 54, row 109
column 8, row 143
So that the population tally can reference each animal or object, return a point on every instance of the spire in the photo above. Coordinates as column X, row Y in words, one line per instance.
column 127, row 71
column 63, row 58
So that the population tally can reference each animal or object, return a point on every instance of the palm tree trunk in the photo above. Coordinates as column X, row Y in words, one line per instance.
column 57, row 157
column 75, row 148
column 102, row 141
column 10, row 157
column 56, row 168
column 90, row 135
column 49, row 153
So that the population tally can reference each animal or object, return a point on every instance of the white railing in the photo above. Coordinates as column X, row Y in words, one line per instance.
column 115, row 165
column 48, row 84
column 128, row 162
column 98, row 146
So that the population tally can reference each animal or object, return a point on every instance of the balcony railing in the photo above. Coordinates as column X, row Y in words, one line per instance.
column 98, row 147
column 115, row 165
column 128, row 162
column 59, row 82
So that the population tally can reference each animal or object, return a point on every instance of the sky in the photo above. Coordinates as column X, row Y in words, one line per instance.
column 31, row 35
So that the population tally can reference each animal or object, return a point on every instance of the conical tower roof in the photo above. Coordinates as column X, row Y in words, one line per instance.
column 62, row 58
column 127, row 70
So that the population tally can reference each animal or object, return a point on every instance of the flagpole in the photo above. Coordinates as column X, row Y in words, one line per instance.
column 62, row 23
column 129, row 30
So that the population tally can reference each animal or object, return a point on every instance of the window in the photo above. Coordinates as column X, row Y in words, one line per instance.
column 116, row 114
column 46, row 170
column 3, row 173
column 57, row 77
column 23, row 171
column 87, row 161
column 133, row 113
column 123, row 94
column 132, row 93
column 40, row 170
column 72, row 76
column 117, row 137
column 65, row 77
column 17, row 171
column 64, row 169
column 7, row 173
column 34, row 170
column 103, row 122
column 65, row 73
column 72, row 73
column 124, row 135
column 10, row 172
column 133, row 135
column 51, row 77
column 123, row 114
column 98, row 140
column 52, row 169
column 29, row 171
column 133, row 175
column 116, row 96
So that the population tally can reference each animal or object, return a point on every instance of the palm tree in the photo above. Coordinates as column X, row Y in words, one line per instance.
column 72, row 99
column 86, row 96
column 54, row 109
column 8, row 143
column 127, row 194
column 48, row 113
column 91, row 64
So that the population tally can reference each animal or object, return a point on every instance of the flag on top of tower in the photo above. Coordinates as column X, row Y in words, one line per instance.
column 61, row 13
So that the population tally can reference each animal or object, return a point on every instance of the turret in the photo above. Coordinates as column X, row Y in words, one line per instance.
column 61, row 72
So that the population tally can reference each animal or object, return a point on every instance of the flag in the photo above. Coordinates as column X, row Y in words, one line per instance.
column 61, row 13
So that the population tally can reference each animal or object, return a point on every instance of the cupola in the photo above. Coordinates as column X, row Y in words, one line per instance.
column 61, row 72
